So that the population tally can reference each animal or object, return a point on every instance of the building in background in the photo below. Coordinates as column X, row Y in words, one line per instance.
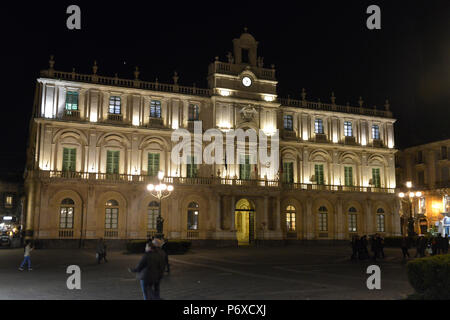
column 427, row 166
column 96, row 142
column 11, row 204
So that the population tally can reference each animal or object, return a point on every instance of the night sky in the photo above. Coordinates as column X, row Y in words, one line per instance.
column 323, row 46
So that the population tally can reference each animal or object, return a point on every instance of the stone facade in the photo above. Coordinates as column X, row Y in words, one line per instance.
column 319, row 142
column 428, row 168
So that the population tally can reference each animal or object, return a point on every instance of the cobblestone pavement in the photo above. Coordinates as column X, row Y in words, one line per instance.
column 293, row 272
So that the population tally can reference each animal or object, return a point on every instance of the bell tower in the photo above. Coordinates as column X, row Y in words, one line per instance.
column 243, row 76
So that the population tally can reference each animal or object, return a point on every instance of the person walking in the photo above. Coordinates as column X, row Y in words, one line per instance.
column 27, row 256
column 380, row 241
column 150, row 269
column 374, row 247
column 364, row 244
column 101, row 250
column 165, row 248
column 404, row 246
column 417, row 244
column 434, row 246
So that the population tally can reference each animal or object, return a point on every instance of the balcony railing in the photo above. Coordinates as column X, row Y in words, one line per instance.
column 192, row 234
column 71, row 114
column 289, row 134
column 115, row 117
column 156, row 122
column 321, row 137
column 66, row 233
column 111, row 234
column 254, row 183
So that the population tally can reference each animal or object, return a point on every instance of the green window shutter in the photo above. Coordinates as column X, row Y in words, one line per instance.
column 72, row 100
column 319, row 173
column 376, row 177
column 288, row 172
column 348, row 173
column 153, row 164
column 69, row 159
column 191, row 168
column 244, row 167
column 112, row 161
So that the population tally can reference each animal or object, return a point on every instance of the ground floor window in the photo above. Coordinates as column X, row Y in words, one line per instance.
column 290, row 219
column 323, row 219
column 111, row 214
column 66, row 214
column 152, row 215
column 192, row 216
column 380, row 220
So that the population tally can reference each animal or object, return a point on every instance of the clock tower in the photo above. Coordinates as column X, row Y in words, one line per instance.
column 243, row 76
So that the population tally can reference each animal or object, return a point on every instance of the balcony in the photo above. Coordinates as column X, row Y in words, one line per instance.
column 87, row 177
column 289, row 134
column 377, row 143
column 71, row 115
column 350, row 140
column 321, row 137
column 65, row 233
column 114, row 117
column 156, row 122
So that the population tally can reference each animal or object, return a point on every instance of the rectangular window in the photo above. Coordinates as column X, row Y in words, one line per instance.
column 8, row 201
column 318, row 170
column 318, row 126
column 192, row 220
column 348, row 131
column 380, row 223
column 191, row 168
column 153, row 164
column 376, row 182
column 111, row 218
column 69, row 159
column 151, row 219
column 444, row 153
column 352, row 222
column 288, row 122
column 112, row 161
column 72, row 100
column 290, row 221
column 155, row 109
column 288, row 172
column 66, row 218
column 419, row 157
column 245, row 167
column 114, row 105
column 422, row 207
column 193, row 114
column 375, row 132
column 323, row 221
column 245, row 56
column 348, row 173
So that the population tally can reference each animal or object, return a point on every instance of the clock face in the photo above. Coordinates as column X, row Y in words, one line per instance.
column 246, row 81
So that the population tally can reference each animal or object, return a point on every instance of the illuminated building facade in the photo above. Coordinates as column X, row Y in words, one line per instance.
column 96, row 142
column 427, row 166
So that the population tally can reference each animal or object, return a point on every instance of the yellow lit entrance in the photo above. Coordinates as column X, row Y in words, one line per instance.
column 244, row 216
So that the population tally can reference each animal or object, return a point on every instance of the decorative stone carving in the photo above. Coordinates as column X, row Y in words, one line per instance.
column 248, row 113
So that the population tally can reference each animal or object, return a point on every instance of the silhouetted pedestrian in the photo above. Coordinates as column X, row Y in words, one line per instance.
column 445, row 244
column 354, row 245
column 27, row 256
column 404, row 246
column 101, row 250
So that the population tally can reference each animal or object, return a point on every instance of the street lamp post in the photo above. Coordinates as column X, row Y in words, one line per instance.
column 409, row 197
column 160, row 191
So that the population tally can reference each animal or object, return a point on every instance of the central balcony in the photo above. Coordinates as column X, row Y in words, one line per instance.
column 80, row 177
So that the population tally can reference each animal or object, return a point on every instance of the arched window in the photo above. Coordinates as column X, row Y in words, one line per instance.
column 152, row 214
column 66, row 214
column 290, row 219
column 111, row 215
column 381, row 227
column 323, row 219
column 192, row 216
column 352, row 220
column 193, row 112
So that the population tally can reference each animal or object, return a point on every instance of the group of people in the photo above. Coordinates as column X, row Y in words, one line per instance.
column 360, row 247
column 151, row 268
column 436, row 245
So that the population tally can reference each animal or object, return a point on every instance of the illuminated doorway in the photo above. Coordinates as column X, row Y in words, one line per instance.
column 244, row 216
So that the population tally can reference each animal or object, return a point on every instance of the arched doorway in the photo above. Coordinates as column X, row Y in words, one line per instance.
column 244, row 216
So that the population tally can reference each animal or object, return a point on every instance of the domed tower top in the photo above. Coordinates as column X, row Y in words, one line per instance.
column 245, row 49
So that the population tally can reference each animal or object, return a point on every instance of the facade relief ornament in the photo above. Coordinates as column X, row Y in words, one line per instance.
column 248, row 113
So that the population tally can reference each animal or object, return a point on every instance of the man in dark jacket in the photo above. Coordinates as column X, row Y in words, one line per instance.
column 101, row 250
column 165, row 249
column 151, row 269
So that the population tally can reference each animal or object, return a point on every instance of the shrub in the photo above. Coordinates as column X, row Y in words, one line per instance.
column 430, row 277
column 173, row 246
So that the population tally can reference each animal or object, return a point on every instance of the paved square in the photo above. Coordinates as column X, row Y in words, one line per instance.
column 285, row 273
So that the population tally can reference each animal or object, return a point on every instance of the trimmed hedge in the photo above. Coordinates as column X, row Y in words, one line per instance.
column 173, row 246
column 430, row 277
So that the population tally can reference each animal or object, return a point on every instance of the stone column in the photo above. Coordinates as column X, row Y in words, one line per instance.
column 369, row 223
column 30, row 206
column 219, row 213
column 309, row 220
column 232, row 209
column 340, row 222
column 277, row 214
column 266, row 210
